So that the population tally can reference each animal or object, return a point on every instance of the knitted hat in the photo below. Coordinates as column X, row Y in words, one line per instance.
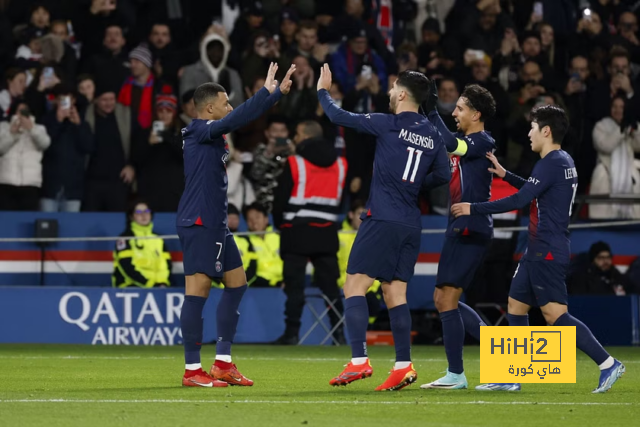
column 232, row 210
column 142, row 54
column 166, row 99
column 290, row 14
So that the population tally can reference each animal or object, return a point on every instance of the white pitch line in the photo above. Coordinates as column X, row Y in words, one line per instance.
column 312, row 402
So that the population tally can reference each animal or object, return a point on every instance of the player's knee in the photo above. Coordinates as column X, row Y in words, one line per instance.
column 517, row 308
column 552, row 312
column 198, row 285
column 445, row 298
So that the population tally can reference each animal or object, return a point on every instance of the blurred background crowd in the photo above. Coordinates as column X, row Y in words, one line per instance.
column 95, row 92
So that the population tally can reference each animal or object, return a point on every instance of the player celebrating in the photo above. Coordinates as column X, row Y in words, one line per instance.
column 388, row 241
column 209, row 249
column 467, row 239
column 540, row 276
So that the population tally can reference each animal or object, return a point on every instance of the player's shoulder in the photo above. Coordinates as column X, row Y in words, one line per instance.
column 482, row 138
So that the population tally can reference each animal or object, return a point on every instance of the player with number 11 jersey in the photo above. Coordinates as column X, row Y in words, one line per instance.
column 388, row 241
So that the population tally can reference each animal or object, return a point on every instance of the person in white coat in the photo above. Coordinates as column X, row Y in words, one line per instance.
column 616, row 139
column 22, row 142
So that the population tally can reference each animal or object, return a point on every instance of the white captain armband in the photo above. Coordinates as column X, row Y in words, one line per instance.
column 461, row 149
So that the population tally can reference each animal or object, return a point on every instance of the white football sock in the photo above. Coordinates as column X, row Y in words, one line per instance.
column 359, row 360
column 193, row 366
column 223, row 357
column 606, row 364
column 401, row 365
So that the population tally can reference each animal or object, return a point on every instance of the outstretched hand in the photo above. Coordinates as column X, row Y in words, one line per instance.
column 270, row 82
column 497, row 167
column 460, row 209
column 285, row 86
column 324, row 82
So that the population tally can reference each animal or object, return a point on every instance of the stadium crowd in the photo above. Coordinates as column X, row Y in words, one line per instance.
column 96, row 91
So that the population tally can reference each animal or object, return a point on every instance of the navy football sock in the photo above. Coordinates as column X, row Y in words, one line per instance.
column 400, row 318
column 191, row 326
column 356, row 314
column 453, row 335
column 585, row 340
column 227, row 316
column 471, row 320
column 515, row 320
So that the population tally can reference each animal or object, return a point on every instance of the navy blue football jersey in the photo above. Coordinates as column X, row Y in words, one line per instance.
column 206, row 153
column 550, row 190
column 407, row 147
column 470, row 178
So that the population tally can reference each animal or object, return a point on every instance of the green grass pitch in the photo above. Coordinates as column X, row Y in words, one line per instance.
column 46, row 385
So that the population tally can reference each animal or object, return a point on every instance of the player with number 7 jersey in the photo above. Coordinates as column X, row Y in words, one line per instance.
column 387, row 245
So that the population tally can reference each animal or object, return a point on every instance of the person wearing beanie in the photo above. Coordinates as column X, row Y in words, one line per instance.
column 138, row 89
column 158, row 155
column 600, row 277
column 110, row 172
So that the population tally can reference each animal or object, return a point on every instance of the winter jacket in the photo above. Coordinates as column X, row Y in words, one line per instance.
column 204, row 72
column 123, row 118
column 607, row 137
column 21, row 154
column 63, row 165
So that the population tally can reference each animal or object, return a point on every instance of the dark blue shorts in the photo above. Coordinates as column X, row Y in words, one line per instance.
column 210, row 251
column 537, row 283
column 385, row 251
column 460, row 259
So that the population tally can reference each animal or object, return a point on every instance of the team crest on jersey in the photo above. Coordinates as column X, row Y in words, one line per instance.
column 218, row 266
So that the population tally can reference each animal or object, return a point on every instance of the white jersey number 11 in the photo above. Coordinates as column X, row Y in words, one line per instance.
column 407, row 168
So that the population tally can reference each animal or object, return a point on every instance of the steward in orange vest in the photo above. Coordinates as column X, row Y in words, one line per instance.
column 305, row 210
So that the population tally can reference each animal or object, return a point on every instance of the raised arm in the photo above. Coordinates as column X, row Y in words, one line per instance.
column 361, row 122
column 255, row 106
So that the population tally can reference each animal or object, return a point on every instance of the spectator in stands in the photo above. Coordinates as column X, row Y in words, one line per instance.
column 63, row 165
column 482, row 26
column 90, row 23
column 619, row 80
column 308, row 229
column 16, row 83
column 601, row 277
column 233, row 218
column 158, row 157
column 355, row 59
column 143, row 263
column 188, row 108
column 167, row 58
column 241, row 38
column 239, row 190
column 306, row 44
column 261, row 252
column 627, row 35
column 616, row 138
column 269, row 158
column 112, row 61
column 138, row 90
column 40, row 19
column 289, row 20
column 259, row 54
column 301, row 102
column 448, row 94
column 213, row 67
column 87, row 87
column 110, row 172
column 22, row 142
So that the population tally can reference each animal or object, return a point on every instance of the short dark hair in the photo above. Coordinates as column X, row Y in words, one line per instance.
column 357, row 204
column 481, row 100
column 205, row 92
column 12, row 72
column 256, row 206
column 554, row 117
column 618, row 52
column 416, row 83
column 85, row 76
column 312, row 129
column 308, row 24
